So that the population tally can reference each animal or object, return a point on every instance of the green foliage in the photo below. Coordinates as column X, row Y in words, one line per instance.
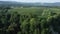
column 29, row 20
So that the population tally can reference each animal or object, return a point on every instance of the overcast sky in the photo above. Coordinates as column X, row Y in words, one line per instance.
column 49, row 1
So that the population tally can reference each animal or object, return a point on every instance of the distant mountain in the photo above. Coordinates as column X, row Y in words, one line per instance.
column 11, row 3
column 51, row 4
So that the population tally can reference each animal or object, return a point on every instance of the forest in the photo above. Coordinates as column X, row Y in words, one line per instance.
column 29, row 20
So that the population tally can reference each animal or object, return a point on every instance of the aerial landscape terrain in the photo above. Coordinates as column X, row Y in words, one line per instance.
column 29, row 18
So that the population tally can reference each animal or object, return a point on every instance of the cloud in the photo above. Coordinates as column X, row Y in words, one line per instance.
column 33, row 0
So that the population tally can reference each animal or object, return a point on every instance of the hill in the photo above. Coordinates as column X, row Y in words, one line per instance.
column 11, row 3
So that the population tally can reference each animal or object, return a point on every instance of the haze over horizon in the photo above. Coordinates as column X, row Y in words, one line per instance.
column 33, row 1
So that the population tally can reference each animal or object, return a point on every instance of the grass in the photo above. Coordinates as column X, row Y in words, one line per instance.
column 35, row 10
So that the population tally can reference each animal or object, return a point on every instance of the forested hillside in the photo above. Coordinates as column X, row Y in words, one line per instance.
column 33, row 20
column 19, row 4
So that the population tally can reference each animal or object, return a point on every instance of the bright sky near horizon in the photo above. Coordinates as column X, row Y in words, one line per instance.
column 49, row 1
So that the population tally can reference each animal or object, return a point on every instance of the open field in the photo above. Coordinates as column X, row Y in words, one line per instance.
column 41, row 11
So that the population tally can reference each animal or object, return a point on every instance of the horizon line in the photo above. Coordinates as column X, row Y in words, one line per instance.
column 32, row 2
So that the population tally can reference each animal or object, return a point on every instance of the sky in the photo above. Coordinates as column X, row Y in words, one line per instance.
column 47, row 1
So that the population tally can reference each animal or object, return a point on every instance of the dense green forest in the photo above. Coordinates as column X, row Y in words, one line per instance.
column 32, row 20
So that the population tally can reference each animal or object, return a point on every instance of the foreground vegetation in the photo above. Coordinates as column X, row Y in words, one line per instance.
column 34, row 20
